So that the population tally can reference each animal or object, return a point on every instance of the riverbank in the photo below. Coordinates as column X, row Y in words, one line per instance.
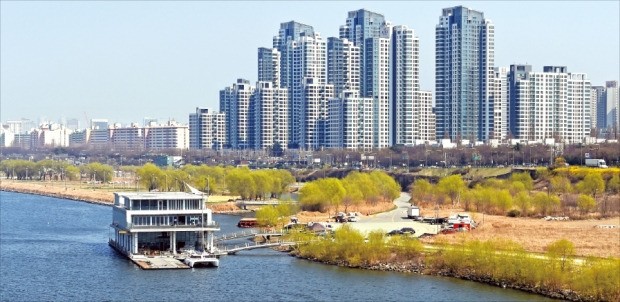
column 418, row 266
column 71, row 191
column 102, row 195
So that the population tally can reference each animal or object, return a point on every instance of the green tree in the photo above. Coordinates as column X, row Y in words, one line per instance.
column 592, row 184
column 451, row 186
column 613, row 184
column 523, row 201
column 388, row 188
column 560, row 185
column 280, row 181
column 72, row 172
column 586, row 203
column 268, row 216
column 353, row 194
column 525, row 178
column 175, row 180
column 421, row 190
column 332, row 191
column 98, row 171
column 150, row 176
column 561, row 250
column 516, row 187
column 544, row 203
column 311, row 197
column 365, row 184
column 263, row 183
column 240, row 182
column 559, row 162
column 502, row 200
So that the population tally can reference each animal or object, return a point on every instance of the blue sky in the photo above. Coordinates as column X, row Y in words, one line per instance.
column 128, row 60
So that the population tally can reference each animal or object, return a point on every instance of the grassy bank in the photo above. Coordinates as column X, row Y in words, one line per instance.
column 555, row 273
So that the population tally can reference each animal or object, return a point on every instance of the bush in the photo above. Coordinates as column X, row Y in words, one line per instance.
column 514, row 213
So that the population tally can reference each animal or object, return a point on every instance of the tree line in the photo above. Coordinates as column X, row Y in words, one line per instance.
column 55, row 170
column 559, row 192
column 355, row 189
column 243, row 182
column 249, row 184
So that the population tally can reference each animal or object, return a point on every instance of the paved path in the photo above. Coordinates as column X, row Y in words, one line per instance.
column 399, row 214
column 394, row 220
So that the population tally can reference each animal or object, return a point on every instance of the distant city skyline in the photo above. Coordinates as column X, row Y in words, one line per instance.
column 124, row 61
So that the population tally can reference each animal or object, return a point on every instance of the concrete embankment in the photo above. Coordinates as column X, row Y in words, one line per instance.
column 47, row 189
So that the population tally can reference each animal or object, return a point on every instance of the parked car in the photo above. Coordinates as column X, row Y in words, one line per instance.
column 407, row 230
column 394, row 232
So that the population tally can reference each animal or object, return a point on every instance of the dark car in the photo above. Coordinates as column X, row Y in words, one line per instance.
column 407, row 230
column 394, row 232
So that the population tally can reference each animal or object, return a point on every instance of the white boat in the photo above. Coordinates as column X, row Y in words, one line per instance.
column 202, row 260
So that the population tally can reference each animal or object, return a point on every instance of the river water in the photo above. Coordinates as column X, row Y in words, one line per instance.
column 56, row 249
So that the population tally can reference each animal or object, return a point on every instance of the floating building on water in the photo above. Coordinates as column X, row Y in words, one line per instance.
column 175, row 228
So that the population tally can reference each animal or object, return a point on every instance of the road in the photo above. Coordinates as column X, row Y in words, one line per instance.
column 394, row 220
column 399, row 214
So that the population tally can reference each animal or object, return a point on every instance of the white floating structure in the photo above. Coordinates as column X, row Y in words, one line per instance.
column 164, row 224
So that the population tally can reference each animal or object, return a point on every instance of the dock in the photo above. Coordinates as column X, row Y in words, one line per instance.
column 158, row 263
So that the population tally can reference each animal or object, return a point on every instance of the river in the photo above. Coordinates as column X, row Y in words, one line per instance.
column 56, row 249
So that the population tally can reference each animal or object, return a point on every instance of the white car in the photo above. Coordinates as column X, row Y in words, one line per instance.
column 353, row 219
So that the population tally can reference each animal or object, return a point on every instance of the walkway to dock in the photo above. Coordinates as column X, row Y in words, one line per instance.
column 227, row 250
column 247, row 234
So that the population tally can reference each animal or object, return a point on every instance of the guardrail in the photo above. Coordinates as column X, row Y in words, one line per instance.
column 158, row 226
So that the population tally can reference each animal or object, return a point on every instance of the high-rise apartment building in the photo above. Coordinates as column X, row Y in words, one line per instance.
column 269, row 66
column 606, row 106
column 313, row 124
column 612, row 108
column 99, row 132
column 207, row 129
column 128, row 138
column 597, row 100
column 171, row 135
column 405, row 80
column 343, row 65
column 303, row 56
column 372, row 34
column 499, row 102
column 550, row 104
column 350, row 121
column 268, row 116
column 235, row 103
column 464, row 61
column 424, row 129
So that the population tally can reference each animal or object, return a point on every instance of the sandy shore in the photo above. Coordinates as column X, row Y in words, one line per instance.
column 71, row 191
column 103, row 195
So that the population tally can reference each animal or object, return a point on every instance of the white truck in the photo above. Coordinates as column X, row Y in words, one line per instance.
column 413, row 212
column 595, row 162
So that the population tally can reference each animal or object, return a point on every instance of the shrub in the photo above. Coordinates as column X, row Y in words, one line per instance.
column 514, row 213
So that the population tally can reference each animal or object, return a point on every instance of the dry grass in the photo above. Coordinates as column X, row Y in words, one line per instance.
column 73, row 190
column 379, row 207
column 535, row 234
